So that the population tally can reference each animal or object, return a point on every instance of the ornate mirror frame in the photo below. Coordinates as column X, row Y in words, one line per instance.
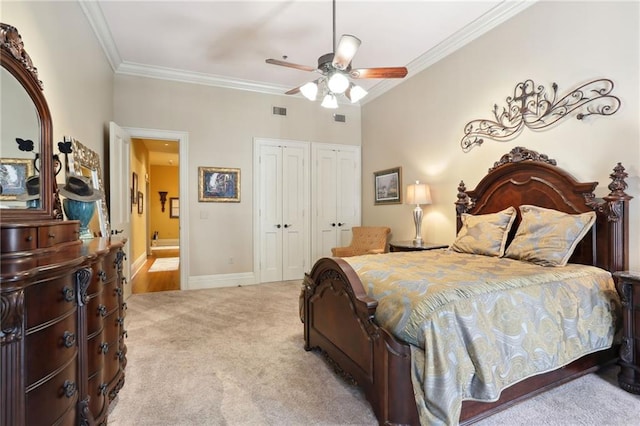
column 84, row 161
column 17, row 62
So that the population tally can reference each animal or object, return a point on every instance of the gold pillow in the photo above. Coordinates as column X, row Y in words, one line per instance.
column 548, row 237
column 484, row 233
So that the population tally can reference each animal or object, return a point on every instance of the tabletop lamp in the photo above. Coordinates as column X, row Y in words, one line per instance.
column 418, row 194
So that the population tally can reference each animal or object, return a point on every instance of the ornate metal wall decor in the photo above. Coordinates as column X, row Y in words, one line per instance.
column 533, row 107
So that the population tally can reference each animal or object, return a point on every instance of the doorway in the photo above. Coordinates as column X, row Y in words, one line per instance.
column 179, row 139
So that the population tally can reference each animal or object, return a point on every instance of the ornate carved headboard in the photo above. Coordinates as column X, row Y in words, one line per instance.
column 526, row 177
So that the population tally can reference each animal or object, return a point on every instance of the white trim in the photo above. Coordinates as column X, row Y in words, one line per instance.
column 137, row 265
column 499, row 14
column 100, row 28
column 220, row 280
column 183, row 152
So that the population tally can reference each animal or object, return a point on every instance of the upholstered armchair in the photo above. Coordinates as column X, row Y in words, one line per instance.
column 365, row 240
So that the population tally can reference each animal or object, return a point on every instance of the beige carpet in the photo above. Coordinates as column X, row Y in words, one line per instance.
column 234, row 356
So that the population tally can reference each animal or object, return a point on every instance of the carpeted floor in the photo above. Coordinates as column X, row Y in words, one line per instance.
column 234, row 356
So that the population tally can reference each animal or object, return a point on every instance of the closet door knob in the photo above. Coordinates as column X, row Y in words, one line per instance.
column 287, row 225
column 333, row 224
column 278, row 226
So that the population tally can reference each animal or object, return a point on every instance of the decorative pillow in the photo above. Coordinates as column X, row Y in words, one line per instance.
column 548, row 237
column 484, row 233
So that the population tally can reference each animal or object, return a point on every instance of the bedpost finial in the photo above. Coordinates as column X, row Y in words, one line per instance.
column 618, row 184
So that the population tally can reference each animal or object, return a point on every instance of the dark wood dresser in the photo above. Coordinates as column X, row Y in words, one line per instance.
column 62, row 337
column 629, row 288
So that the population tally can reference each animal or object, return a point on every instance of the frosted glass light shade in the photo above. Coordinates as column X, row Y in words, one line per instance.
column 338, row 83
column 418, row 193
column 355, row 93
column 330, row 101
column 309, row 90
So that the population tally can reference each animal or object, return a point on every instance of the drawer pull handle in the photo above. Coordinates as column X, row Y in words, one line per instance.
column 118, row 291
column 29, row 238
column 52, row 235
column 102, row 310
column 69, row 339
column 102, row 275
column 120, row 321
column 102, row 389
column 69, row 294
column 104, row 348
column 69, row 388
column 125, row 334
column 124, row 306
column 120, row 355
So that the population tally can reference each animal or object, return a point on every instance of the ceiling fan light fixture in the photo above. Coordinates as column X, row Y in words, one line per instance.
column 338, row 82
column 354, row 93
column 310, row 90
column 345, row 51
column 330, row 101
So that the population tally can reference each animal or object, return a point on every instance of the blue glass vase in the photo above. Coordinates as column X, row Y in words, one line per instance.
column 82, row 211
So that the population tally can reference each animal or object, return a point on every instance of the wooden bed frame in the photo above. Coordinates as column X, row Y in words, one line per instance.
column 339, row 317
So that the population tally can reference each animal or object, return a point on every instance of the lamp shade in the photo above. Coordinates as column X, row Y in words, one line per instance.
column 418, row 193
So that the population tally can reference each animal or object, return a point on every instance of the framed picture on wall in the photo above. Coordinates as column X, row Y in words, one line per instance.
column 174, row 207
column 140, row 203
column 388, row 186
column 134, row 185
column 217, row 184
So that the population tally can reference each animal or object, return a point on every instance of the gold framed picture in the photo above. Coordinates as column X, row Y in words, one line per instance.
column 218, row 184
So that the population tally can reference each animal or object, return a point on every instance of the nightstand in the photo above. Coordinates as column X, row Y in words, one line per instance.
column 410, row 246
column 629, row 289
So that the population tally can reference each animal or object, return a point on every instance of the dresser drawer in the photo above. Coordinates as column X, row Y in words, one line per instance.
column 97, row 349
column 52, row 400
column 61, row 341
column 111, row 295
column 64, row 232
column 18, row 239
column 110, row 266
column 96, row 311
column 48, row 300
column 97, row 396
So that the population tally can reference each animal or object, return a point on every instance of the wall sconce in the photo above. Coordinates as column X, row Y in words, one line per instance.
column 418, row 194
column 163, row 198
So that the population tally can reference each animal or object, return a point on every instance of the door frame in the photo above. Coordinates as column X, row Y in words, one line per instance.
column 183, row 142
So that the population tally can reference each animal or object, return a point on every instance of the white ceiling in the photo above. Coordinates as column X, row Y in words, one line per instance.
column 225, row 43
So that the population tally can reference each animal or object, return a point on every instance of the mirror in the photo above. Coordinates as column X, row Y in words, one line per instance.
column 83, row 161
column 25, row 117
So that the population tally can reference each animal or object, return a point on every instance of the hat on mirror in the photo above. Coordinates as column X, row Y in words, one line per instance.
column 33, row 189
column 79, row 188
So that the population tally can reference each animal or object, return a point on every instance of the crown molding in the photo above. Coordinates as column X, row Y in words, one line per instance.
column 499, row 14
column 100, row 28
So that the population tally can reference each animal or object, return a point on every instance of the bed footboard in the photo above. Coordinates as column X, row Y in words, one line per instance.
column 338, row 320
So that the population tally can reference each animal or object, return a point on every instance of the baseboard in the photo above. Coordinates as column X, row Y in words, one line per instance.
column 166, row 242
column 138, row 264
column 220, row 280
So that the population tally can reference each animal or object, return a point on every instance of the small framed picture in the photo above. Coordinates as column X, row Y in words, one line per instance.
column 140, row 203
column 13, row 177
column 174, row 207
column 134, row 185
column 217, row 184
column 388, row 186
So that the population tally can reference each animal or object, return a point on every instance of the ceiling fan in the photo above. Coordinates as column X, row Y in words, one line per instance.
column 336, row 69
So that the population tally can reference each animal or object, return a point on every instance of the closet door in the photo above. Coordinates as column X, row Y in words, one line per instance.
column 283, row 210
column 336, row 189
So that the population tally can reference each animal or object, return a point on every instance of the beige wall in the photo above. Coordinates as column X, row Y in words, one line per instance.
column 78, row 81
column 163, row 178
column 221, row 124
column 564, row 42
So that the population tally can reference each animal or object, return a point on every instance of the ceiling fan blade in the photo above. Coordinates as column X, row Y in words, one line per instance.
column 293, row 91
column 290, row 65
column 346, row 50
column 384, row 72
